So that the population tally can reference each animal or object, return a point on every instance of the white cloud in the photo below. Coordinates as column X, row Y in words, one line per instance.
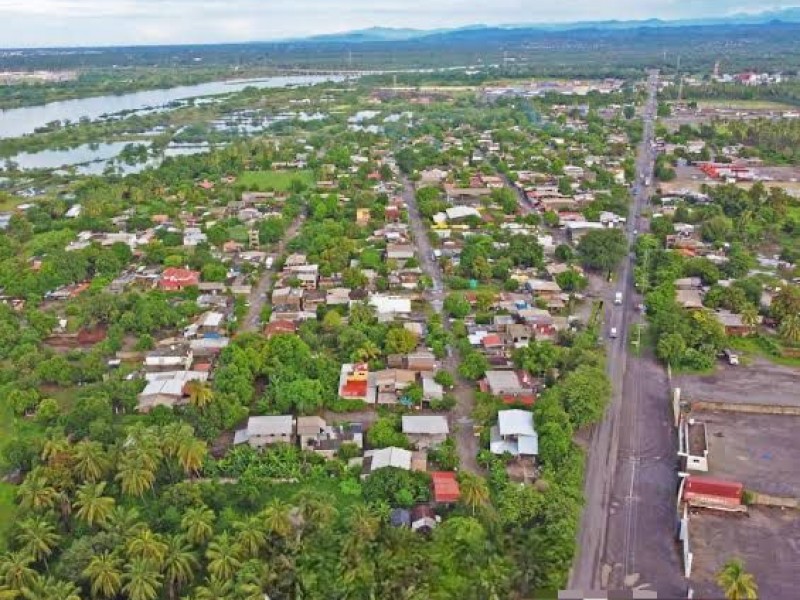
column 106, row 22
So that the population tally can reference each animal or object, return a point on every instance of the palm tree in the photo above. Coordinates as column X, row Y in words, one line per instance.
column 123, row 522
column 363, row 523
column 191, row 454
column 172, row 435
column 142, row 580
column 367, row 352
column 93, row 506
column 223, row 557
column 49, row 588
column 37, row 537
column 214, row 589
column 250, row 536
column 180, row 564
column 148, row 546
column 200, row 394
column 316, row 508
column 104, row 575
column 790, row 329
column 750, row 315
column 16, row 571
column 136, row 475
column 36, row 493
column 91, row 461
column 474, row 491
column 198, row 524
column 736, row 583
column 276, row 518
column 56, row 449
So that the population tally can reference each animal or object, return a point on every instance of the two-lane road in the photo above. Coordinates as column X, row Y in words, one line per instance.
column 626, row 533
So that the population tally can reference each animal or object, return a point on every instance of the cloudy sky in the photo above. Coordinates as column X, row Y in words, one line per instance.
column 25, row 23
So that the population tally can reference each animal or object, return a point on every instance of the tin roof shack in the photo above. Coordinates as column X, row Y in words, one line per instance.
column 734, row 323
column 716, row 494
column 425, row 431
column 693, row 445
column 381, row 458
column 167, row 389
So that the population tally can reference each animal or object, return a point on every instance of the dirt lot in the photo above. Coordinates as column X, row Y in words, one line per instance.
column 767, row 539
column 759, row 450
column 758, row 383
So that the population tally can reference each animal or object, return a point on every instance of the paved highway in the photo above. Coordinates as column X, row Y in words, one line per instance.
column 627, row 528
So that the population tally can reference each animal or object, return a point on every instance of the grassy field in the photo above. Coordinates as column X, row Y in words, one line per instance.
column 753, row 347
column 744, row 104
column 280, row 181
column 8, row 507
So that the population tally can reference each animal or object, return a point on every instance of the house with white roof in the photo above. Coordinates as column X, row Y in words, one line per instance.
column 267, row 430
column 514, row 434
column 386, row 457
column 167, row 388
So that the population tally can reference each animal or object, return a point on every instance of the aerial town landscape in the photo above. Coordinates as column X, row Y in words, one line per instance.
column 480, row 313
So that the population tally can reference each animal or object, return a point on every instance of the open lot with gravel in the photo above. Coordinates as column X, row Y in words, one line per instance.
column 760, row 382
column 759, row 450
column 766, row 539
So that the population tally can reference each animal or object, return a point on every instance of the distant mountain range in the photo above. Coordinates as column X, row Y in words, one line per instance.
column 389, row 34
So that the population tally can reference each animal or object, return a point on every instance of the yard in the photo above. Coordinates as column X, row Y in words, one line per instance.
column 279, row 181
column 8, row 507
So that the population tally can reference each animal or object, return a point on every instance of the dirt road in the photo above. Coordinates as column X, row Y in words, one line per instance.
column 464, row 391
column 258, row 296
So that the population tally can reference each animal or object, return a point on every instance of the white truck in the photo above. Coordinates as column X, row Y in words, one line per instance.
column 613, row 333
column 618, row 298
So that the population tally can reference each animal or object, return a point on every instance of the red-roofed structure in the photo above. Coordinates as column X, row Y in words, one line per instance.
column 492, row 341
column 445, row 487
column 280, row 327
column 177, row 279
column 712, row 492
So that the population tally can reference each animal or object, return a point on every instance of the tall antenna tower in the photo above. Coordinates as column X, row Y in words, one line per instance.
column 680, row 89
column 716, row 70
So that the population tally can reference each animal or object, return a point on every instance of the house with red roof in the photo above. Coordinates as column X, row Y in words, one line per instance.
column 280, row 327
column 445, row 487
column 175, row 278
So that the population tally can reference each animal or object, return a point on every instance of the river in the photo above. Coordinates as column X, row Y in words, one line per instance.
column 17, row 122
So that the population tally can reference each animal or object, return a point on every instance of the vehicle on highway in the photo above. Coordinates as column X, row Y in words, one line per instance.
column 613, row 333
column 618, row 298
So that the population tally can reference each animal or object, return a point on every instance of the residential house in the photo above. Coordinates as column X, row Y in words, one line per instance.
column 388, row 307
column 381, row 458
column 391, row 383
column 421, row 361
column 401, row 252
column 355, row 383
column 317, row 436
column 287, row 299
column 423, row 519
column 337, row 296
column 734, row 323
column 445, row 487
column 431, row 391
column 167, row 388
column 425, row 431
column 690, row 299
column 280, row 327
column 514, row 387
column 173, row 279
column 514, row 434
column 267, row 430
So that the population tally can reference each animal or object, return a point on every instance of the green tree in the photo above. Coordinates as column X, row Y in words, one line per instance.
column 456, row 305
column 90, row 460
column 198, row 524
column 200, row 394
column 736, row 583
column 223, row 556
column 93, row 507
column 474, row 491
column 16, row 571
column 180, row 564
column 37, row 537
column 602, row 249
column 585, row 393
column 105, row 575
column 671, row 348
column 385, row 432
column 142, row 580
column 474, row 366
column 400, row 340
